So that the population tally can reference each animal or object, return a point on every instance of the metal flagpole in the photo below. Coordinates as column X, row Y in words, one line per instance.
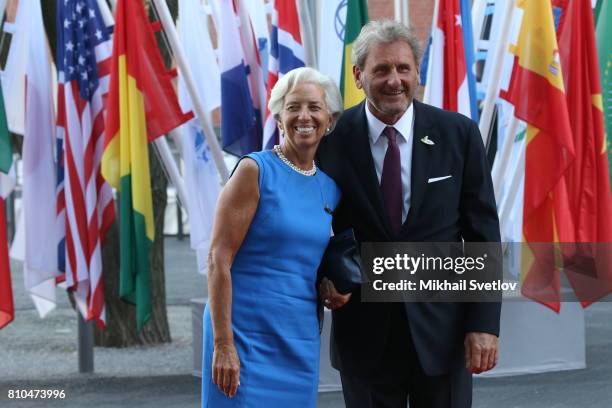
column 177, row 50
column 494, row 83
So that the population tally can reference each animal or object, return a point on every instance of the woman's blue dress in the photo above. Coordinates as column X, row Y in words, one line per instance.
column 274, row 298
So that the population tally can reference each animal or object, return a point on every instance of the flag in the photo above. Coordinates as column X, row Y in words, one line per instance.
column 241, row 82
column 356, row 17
column 604, row 52
column 30, row 52
column 7, row 311
column 201, row 178
column 286, row 53
column 588, row 184
column 259, row 20
column 537, row 92
column 450, row 87
column 141, row 107
column 331, row 23
column 85, row 200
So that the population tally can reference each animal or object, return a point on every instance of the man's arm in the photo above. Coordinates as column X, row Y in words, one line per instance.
column 479, row 223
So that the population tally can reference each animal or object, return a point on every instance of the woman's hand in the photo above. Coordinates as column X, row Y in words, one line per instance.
column 226, row 368
column 332, row 299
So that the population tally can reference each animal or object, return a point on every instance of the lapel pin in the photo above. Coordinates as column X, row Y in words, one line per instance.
column 427, row 141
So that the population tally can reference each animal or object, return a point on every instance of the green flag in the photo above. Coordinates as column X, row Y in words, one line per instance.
column 6, row 146
column 604, row 52
column 356, row 17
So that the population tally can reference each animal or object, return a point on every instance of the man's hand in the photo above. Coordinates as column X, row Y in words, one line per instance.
column 331, row 298
column 480, row 352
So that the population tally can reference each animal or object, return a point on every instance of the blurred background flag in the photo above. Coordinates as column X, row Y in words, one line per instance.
column 331, row 29
column 604, row 52
column 201, row 177
column 588, row 184
column 7, row 311
column 241, row 115
column 141, row 90
column 286, row 53
column 356, row 17
column 40, row 263
column 449, row 86
column 537, row 92
column 83, row 62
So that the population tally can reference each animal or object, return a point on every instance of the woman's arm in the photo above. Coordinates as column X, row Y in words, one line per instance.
column 235, row 211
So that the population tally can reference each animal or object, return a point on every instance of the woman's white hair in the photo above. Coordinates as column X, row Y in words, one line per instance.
column 287, row 83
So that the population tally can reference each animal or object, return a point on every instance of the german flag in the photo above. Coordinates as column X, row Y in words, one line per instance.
column 142, row 106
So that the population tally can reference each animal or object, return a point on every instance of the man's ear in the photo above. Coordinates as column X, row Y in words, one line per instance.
column 357, row 76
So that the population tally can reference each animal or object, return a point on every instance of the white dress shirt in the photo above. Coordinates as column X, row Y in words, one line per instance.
column 378, row 145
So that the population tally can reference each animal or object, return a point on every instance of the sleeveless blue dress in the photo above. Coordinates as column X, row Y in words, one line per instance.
column 274, row 298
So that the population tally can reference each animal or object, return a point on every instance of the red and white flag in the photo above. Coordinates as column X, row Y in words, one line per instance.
column 447, row 81
column 85, row 202
column 286, row 53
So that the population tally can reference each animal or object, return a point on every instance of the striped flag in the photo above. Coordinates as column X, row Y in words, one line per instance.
column 242, row 89
column 537, row 92
column 85, row 200
column 286, row 53
column 7, row 311
column 451, row 85
column 142, row 106
column 356, row 17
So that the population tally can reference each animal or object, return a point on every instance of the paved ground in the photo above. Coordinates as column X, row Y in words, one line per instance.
column 41, row 354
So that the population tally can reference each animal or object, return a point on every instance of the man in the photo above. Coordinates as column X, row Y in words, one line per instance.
column 408, row 172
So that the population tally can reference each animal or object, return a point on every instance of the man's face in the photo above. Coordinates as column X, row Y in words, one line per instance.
column 390, row 78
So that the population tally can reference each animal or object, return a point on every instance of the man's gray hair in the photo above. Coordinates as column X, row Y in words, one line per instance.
column 383, row 32
column 287, row 83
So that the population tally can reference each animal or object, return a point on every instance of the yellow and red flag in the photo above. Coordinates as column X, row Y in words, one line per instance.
column 537, row 92
column 589, row 269
column 142, row 105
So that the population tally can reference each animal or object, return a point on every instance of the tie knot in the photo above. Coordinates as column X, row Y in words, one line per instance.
column 390, row 133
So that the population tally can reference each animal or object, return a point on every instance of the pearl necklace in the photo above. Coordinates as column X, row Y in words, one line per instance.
column 284, row 159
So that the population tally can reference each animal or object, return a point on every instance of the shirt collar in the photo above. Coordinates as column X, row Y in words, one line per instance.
column 403, row 125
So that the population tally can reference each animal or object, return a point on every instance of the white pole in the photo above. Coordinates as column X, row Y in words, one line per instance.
column 516, row 177
column 503, row 157
column 494, row 83
column 177, row 50
column 163, row 150
column 434, row 22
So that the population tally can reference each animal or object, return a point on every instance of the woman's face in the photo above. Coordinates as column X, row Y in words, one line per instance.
column 304, row 117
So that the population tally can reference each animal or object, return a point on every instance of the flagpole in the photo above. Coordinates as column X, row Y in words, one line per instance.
column 172, row 171
column 177, row 50
column 504, row 156
column 494, row 84
column 434, row 22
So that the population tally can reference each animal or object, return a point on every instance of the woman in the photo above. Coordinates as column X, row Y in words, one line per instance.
column 272, row 224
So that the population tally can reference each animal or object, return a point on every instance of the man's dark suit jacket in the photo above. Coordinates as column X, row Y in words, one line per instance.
column 462, row 206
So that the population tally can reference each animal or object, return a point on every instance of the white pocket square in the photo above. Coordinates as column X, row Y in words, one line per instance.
column 434, row 179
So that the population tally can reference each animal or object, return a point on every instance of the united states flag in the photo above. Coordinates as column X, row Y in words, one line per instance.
column 84, row 200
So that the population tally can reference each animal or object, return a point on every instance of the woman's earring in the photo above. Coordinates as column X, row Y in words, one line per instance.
column 328, row 131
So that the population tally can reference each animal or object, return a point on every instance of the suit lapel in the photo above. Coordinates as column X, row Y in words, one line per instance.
column 363, row 163
column 421, row 162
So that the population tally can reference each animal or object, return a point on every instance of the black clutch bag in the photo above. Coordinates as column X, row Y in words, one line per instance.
column 341, row 262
